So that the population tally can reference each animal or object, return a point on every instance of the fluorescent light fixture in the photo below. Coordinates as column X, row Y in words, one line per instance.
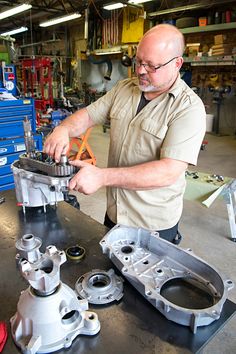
column 134, row 2
column 114, row 6
column 15, row 31
column 59, row 20
column 14, row 11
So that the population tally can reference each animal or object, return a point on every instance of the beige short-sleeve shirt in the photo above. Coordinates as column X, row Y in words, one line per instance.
column 169, row 126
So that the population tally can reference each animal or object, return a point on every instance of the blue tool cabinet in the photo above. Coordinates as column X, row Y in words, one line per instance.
column 12, row 114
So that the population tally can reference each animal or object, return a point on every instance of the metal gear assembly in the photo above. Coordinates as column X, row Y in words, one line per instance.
column 49, row 316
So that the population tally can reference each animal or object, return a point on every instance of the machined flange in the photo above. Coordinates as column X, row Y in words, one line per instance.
column 100, row 287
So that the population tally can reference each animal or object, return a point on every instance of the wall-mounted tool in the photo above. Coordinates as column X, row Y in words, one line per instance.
column 8, row 78
column 54, row 117
column 49, row 316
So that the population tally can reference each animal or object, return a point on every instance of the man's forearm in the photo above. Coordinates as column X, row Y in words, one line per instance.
column 77, row 123
column 145, row 176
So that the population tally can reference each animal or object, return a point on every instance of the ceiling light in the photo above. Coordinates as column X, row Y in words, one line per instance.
column 114, row 6
column 14, row 11
column 59, row 20
column 15, row 31
column 137, row 1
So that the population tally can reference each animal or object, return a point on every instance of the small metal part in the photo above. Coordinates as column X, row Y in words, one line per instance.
column 194, row 175
column 2, row 200
column 28, row 248
column 75, row 253
column 218, row 178
column 28, row 137
column 100, row 287
column 64, row 160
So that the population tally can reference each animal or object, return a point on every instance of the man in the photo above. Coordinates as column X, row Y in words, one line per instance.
column 157, row 127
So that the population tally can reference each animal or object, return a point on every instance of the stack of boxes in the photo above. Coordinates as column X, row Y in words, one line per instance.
column 220, row 47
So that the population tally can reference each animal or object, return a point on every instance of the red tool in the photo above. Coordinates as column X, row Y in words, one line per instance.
column 3, row 335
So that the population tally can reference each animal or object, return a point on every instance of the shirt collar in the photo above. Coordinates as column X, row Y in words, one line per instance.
column 176, row 88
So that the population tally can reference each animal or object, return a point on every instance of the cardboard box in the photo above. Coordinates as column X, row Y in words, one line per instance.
column 220, row 39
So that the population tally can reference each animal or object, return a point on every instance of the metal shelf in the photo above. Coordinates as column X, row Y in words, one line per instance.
column 204, row 61
column 209, row 28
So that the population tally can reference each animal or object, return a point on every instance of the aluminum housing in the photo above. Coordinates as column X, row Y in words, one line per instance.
column 169, row 277
column 35, row 189
column 49, row 315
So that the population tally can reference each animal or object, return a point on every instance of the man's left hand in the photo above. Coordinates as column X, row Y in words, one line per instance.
column 89, row 178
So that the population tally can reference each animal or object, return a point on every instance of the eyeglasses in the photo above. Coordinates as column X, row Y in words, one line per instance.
column 151, row 68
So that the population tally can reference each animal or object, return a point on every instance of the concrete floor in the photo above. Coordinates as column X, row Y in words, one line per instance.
column 206, row 230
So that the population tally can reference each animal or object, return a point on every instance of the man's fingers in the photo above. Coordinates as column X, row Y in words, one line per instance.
column 55, row 150
column 78, row 163
column 60, row 150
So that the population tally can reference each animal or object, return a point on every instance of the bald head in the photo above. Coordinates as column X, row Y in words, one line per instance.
column 167, row 37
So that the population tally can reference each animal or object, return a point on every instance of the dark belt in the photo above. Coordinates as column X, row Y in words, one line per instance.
column 171, row 235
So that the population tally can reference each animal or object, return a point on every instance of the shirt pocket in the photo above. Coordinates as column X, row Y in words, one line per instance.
column 116, row 118
column 150, row 139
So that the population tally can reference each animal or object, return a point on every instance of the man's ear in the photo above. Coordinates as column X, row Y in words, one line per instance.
column 179, row 62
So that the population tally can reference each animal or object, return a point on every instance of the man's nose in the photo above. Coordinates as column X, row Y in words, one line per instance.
column 141, row 69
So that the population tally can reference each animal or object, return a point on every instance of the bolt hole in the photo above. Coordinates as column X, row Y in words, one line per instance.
column 145, row 262
column 127, row 249
column 159, row 271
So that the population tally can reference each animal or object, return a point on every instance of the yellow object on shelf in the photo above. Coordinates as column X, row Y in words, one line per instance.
column 133, row 25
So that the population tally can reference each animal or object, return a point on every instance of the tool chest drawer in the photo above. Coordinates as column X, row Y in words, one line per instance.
column 12, row 114
column 10, row 149
column 10, row 146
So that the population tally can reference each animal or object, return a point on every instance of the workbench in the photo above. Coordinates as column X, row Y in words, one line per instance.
column 129, row 326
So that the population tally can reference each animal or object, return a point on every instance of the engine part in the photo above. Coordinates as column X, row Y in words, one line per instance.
column 42, row 163
column 183, row 287
column 39, row 180
column 28, row 137
column 49, row 316
column 100, row 287
column 75, row 253
column 36, row 189
column 28, row 248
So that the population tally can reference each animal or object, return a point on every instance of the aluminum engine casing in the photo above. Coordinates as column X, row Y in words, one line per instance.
column 34, row 189
column 150, row 264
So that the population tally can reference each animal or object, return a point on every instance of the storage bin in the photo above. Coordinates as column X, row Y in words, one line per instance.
column 209, row 122
column 202, row 21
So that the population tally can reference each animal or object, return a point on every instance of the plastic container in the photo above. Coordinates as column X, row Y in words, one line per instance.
column 202, row 21
column 209, row 122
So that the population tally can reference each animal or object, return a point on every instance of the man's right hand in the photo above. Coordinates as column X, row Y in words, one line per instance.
column 57, row 143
